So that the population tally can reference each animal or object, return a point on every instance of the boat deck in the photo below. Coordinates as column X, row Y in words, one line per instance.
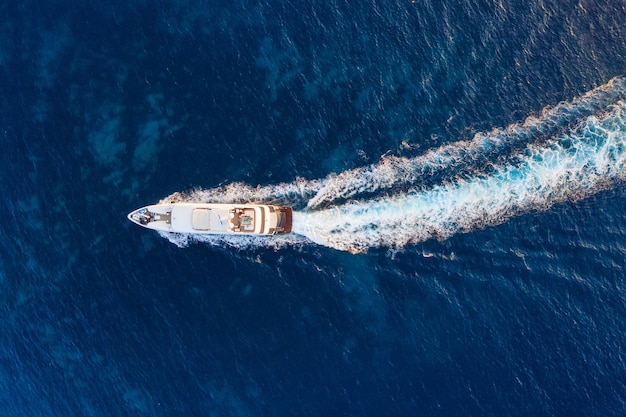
column 243, row 220
column 248, row 219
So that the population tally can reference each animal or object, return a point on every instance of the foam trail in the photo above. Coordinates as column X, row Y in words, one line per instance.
column 575, row 165
column 571, row 151
column 449, row 160
column 398, row 171
column 237, row 242
column 293, row 194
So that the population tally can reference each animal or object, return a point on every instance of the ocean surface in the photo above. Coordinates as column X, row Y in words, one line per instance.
column 458, row 171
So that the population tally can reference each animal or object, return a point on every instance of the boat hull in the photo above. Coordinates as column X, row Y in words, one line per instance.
column 217, row 219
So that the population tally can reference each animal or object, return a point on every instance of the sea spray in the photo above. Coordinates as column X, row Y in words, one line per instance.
column 450, row 161
column 573, row 166
column 295, row 194
column 570, row 151
column 466, row 157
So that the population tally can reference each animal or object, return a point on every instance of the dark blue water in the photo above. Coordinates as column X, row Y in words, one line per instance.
column 107, row 106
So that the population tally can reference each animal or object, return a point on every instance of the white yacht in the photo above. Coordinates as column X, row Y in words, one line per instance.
column 235, row 219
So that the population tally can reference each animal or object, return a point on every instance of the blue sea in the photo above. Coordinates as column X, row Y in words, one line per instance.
column 457, row 171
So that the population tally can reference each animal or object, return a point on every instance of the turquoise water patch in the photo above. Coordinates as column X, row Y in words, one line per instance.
column 282, row 62
column 30, row 209
column 152, row 132
column 105, row 137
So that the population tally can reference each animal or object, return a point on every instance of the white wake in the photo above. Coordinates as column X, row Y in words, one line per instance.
column 570, row 152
